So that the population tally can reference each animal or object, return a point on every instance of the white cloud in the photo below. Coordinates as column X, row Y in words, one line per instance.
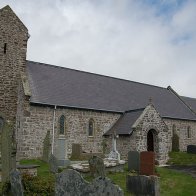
column 126, row 39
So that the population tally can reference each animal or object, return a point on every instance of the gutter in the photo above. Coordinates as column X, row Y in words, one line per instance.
column 54, row 115
column 75, row 107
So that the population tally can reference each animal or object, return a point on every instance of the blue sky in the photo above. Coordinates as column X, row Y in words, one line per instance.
column 149, row 41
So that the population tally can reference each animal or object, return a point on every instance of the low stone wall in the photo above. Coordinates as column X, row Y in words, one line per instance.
column 28, row 169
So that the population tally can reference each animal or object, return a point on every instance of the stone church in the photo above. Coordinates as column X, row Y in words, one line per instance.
column 74, row 106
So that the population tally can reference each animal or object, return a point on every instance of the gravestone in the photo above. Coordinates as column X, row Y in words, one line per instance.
column 16, row 183
column 147, row 163
column 53, row 164
column 175, row 142
column 76, row 151
column 134, row 161
column 143, row 185
column 96, row 166
column 46, row 147
column 114, row 154
column 70, row 183
column 191, row 149
column 8, row 149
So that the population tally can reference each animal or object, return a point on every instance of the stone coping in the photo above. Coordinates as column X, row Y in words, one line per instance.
column 27, row 166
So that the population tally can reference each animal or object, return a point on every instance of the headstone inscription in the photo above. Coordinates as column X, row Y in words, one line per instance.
column 96, row 166
column 70, row 183
column 16, row 183
column 147, row 163
column 134, row 161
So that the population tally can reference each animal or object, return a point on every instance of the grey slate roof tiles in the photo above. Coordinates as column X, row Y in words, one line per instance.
column 190, row 101
column 60, row 86
column 124, row 124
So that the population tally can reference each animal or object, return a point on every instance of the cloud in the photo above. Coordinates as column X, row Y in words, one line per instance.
column 147, row 41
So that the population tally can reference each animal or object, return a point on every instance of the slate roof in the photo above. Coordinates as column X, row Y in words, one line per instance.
column 191, row 102
column 124, row 124
column 53, row 85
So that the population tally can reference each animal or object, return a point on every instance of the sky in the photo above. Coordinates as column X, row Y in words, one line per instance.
column 148, row 41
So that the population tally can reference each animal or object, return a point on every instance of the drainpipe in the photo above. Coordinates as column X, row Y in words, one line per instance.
column 54, row 115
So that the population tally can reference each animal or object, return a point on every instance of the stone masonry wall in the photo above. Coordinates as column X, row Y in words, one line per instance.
column 181, row 130
column 40, row 120
column 148, row 120
column 151, row 120
column 13, row 46
column 123, row 145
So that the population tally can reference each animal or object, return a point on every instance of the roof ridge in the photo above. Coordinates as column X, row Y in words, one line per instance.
column 126, row 80
column 188, row 97
column 181, row 99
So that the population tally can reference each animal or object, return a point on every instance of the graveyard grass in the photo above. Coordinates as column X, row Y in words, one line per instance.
column 182, row 158
column 172, row 182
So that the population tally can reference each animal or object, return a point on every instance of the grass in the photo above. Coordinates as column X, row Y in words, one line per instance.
column 42, row 171
column 182, row 158
column 172, row 183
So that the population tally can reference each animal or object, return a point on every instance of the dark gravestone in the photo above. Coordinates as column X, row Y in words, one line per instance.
column 96, row 166
column 8, row 150
column 76, row 151
column 16, row 183
column 70, row 183
column 133, row 161
column 143, row 185
column 147, row 163
column 53, row 164
column 191, row 149
column 46, row 147
column 175, row 143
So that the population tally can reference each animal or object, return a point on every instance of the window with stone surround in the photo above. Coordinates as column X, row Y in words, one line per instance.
column 62, row 125
column 188, row 132
column 91, row 128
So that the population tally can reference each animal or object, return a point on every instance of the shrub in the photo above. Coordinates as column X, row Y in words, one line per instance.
column 34, row 185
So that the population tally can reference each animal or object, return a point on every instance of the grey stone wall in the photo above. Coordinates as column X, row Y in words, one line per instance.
column 181, row 127
column 13, row 46
column 37, row 120
column 149, row 119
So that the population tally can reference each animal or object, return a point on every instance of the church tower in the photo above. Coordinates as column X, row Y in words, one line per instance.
column 13, row 48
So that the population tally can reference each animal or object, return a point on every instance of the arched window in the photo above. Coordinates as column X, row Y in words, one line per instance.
column 188, row 132
column 91, row 127
column 62, row 125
